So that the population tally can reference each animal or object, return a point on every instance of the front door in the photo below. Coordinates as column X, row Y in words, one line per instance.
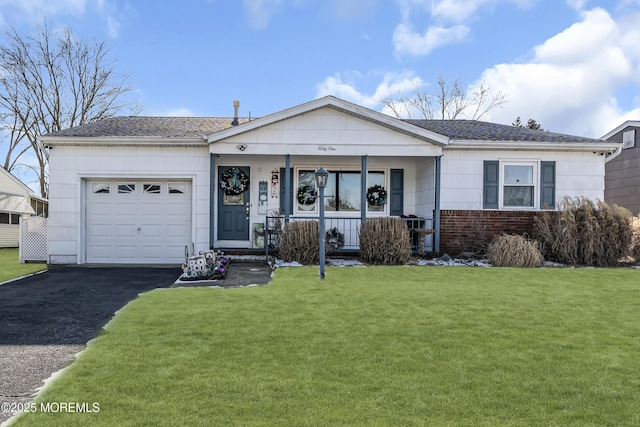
column 233, row 203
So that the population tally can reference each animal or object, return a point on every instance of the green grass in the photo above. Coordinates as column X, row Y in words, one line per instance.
column 11, row 268
column 374, row 346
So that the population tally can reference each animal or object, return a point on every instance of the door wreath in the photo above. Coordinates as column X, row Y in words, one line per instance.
column 234, row 181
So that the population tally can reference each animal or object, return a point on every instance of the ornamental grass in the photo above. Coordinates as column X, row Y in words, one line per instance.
column 301, row 242
column 384, row 241
column 582, row 232
column 508, row 250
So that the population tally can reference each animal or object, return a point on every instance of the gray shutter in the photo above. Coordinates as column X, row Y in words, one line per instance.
column 396, row 192
column 491, row 184
column 282, row 191
column 547, row 185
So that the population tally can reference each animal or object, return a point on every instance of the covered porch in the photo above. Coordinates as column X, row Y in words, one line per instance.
column 378, row 167
column 379, row 193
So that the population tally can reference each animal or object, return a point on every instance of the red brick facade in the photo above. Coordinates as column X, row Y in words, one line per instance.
column 462, row 231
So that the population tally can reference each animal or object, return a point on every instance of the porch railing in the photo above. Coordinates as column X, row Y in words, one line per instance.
column 349, row 230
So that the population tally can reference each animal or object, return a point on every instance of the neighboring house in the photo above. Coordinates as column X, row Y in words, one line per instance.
column 142, row 189
column 622, row 171
column 16, row 200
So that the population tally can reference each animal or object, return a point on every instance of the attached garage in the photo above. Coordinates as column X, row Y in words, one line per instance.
column 141, row 221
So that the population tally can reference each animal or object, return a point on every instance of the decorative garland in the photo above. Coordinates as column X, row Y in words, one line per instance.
column 334, row 239
column 234, row 181
column 307, row 195
column 376, row 195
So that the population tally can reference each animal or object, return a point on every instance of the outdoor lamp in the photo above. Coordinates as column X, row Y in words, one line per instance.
column 322, row 176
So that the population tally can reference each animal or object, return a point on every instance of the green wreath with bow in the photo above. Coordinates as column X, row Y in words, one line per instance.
column 234, row 181
column 376, row 195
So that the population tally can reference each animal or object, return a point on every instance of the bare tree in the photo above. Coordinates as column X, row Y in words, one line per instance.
column 449, row 100
column 50, row 81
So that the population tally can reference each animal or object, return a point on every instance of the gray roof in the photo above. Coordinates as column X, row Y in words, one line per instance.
column 199, row 127
column 475, row 130
column 154, row 127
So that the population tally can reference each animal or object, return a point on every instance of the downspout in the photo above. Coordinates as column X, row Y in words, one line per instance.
column 613, row 155
column 363, row 189
column 212, row 196
column 436, row 215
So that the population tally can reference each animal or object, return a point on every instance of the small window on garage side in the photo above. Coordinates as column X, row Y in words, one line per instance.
column 126, row 188
column 100, row 187
column 4, row 218
column 151, row 188
column 15, row 219
column 177, row 188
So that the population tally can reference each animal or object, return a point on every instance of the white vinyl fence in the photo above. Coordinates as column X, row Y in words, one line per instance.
column 33, row 239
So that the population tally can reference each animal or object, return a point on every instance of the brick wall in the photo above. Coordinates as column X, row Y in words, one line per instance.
column 462, row 231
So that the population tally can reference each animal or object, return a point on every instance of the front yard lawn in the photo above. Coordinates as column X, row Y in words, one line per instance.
column 368, row 346
column 11, row 268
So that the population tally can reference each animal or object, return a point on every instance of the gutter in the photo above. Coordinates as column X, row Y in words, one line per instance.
column 603, row 146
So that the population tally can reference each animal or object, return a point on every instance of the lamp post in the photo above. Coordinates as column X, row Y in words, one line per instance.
column 321, row 180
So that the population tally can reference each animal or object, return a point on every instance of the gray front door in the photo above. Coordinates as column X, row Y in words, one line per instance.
column 233, row 209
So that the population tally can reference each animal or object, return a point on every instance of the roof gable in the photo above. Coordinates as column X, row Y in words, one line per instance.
column 342, row 106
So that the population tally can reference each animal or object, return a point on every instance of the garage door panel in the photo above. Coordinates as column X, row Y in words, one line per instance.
column 137, row 227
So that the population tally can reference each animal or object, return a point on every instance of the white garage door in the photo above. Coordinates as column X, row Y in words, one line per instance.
column 137, row 221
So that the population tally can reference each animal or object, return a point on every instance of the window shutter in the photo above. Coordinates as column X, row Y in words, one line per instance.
column 547, row 185
column 396, row 192
column 282, row 191
column 491, row 184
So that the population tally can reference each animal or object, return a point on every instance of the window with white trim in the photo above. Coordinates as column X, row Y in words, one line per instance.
column 343, row 192
column 518, row 185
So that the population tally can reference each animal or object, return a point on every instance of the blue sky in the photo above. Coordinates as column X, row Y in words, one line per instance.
column 573, row 65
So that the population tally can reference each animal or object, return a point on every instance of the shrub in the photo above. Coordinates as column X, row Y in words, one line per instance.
column 300, row 242
column 384, row 241
column 584, row 233
column 508, row 250
column 634, row 247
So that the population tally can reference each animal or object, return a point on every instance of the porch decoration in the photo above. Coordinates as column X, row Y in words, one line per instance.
column 335, row 239
column 208, row 265
column 234, row 181
column 376, row 195
column 275, row 183
column 307, row 195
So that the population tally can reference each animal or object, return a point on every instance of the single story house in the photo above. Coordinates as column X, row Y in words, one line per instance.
column 16, row 200
column 145, row 189
column 622, row 171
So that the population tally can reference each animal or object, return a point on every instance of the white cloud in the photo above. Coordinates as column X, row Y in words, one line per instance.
column 392, row 84
column 449, row 23
column 407, row 41
column 32, row 10
column 570, row 85
column 259, row 11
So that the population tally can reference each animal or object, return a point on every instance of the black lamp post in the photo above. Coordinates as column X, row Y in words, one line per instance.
column 322, row 176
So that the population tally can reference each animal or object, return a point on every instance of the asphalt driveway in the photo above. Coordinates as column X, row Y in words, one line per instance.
column 46, row 319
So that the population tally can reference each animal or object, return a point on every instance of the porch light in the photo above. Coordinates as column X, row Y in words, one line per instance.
column 322, row 176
